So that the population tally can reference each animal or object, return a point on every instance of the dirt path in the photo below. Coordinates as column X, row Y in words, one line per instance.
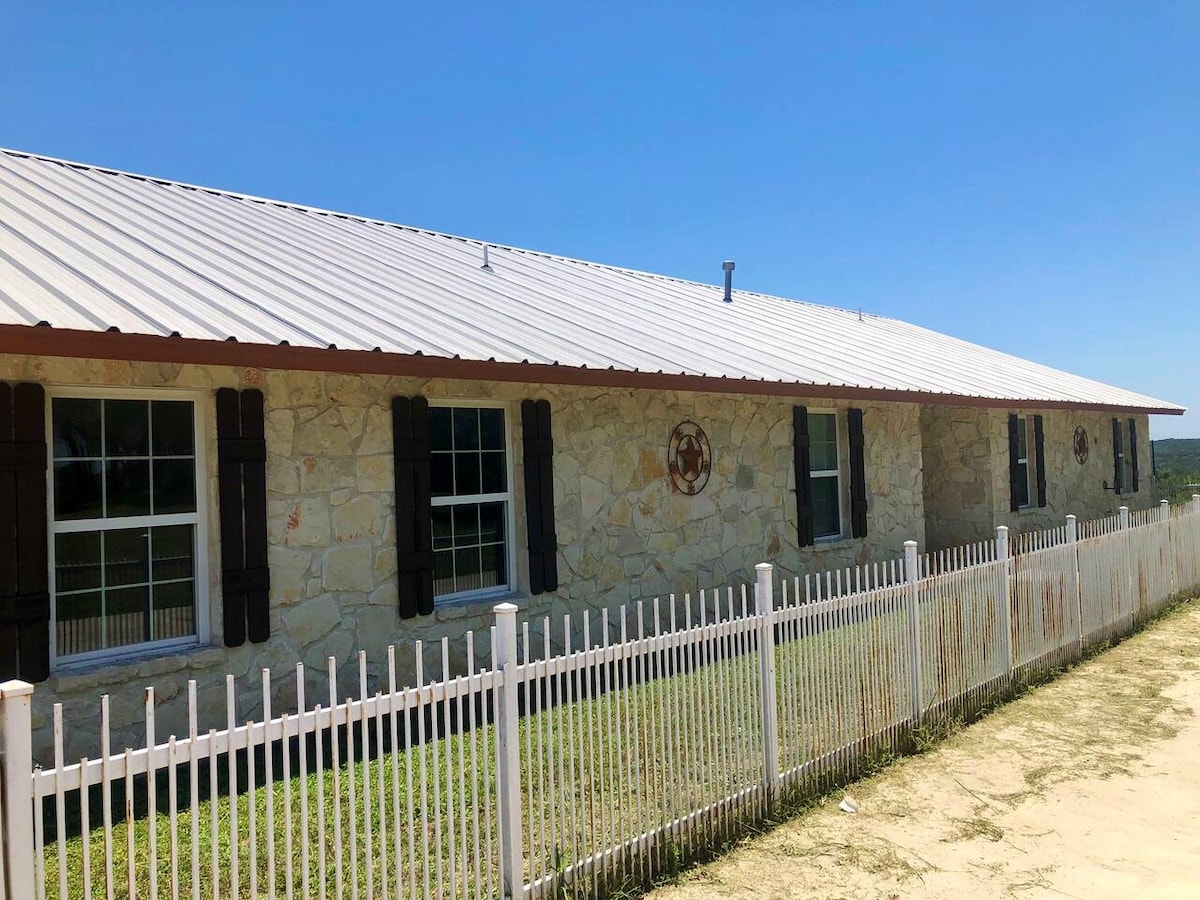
column 1087, row 787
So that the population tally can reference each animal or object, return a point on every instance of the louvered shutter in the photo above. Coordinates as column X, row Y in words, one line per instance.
column 242, row 489
column 1118, row 461
column 24, row 536
column 805, row 525
column 858, row 473
column 1039, row 459
column 1133, row 455
column 414, row 511
column 538, row 458
column 1014, row 465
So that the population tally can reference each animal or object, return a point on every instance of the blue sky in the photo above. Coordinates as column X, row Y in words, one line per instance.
column 1024, row 175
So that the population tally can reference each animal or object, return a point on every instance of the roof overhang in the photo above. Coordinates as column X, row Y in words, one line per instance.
column 45, row 341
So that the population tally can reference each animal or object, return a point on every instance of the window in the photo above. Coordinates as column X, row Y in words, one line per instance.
column 124, row 524
column 1021, row 482
column 471, row 492
column 825, row 472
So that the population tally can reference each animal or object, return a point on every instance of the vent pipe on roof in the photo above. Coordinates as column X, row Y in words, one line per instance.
column 728, row 266
column 486, row 267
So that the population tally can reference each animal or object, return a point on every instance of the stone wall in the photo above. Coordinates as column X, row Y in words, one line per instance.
column 966, row 487
column 623, row 532
column 1071, row 486
column 957, row 450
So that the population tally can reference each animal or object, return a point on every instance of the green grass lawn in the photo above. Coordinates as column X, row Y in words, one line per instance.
column 594, row 774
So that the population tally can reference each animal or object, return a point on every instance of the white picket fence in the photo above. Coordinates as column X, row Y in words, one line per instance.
column 664, row 729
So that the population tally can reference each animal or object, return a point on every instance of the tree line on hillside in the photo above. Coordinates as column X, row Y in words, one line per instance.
column 1177, row 468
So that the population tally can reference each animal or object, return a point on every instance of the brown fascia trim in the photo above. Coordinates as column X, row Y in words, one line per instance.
column 45, row 341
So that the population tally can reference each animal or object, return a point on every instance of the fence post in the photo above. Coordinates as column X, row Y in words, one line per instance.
column 16, row 733
column 1006, row 619
column 1195, row 503
column 508, row 748
column 912, row 575
column 764, row 601
column 1073, row 540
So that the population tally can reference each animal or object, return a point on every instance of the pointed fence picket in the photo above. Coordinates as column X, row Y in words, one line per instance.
column 588, row 754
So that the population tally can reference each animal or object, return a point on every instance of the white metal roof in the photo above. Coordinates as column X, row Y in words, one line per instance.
column 97, row 250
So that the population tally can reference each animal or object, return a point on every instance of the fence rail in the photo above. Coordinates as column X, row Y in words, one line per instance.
column 669, row 728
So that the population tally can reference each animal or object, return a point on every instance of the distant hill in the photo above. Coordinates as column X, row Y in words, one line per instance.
column 1177, row 455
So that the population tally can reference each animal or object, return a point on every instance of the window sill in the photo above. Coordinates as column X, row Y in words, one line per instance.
column 145, row 664
column 472, row 605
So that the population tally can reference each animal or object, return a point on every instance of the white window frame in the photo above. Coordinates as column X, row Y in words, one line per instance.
column 830, row 473
column 199, row 519
column 1023, row 428
column 508, row 498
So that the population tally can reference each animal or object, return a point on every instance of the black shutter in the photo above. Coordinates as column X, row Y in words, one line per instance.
column 1014, row 466
column 414, row 512
column 242, row 486
column 858, row 473
column 1118, row 462
column 805, row 524
column 538, row 459
column 1133, row 455
column 1039, row 459
column 24, row 536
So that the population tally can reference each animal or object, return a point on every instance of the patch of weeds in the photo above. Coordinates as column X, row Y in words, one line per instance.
column 975, row 827
column 934, row 730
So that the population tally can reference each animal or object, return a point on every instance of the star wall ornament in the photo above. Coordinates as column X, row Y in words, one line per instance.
column 1080, row 444
column 689, row 458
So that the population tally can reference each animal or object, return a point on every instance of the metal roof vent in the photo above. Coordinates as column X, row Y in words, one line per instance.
column 728, row 266
column 486, row 265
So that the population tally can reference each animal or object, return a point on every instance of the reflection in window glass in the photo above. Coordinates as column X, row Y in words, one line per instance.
column 123, row 586
column 469, row 484
column 825, row 474
column 121, row 581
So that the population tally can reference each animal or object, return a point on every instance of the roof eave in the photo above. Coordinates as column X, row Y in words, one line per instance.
column 57, row 342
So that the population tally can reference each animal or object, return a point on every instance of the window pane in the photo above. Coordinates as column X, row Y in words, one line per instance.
column 441, row 475
column 493, row 566
column 443, row 572
column 466, row 429
column 78, row 490
column 491, row 429
column 822, row 431
column 440, row 432
column 443, row 531
column 77, row 561
column 825, row 507
column 494, row 477
column 491, row 522
column 466, row 525
column 466, row 570
column 171, row 552
column 171, row 422
column 174, row 486
column 125, row 559
column 1022, row 440
column 174, row 611
column 1022, row 484
column 466, row 474
column 127, row 484
column 76, row 427
column 80, row 624
column 126, row 428
column 125, row 616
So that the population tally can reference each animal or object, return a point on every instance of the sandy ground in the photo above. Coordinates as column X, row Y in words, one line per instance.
column 1086, row 787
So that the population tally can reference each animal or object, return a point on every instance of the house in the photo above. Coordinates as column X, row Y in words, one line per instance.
column 238, row 433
